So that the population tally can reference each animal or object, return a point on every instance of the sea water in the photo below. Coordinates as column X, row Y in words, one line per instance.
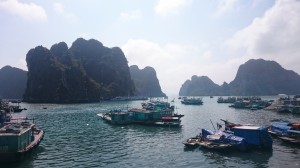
column 76, row 137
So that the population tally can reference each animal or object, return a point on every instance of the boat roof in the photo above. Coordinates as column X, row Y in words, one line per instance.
column 139, row 110
column 247, row 127
column 12, row 128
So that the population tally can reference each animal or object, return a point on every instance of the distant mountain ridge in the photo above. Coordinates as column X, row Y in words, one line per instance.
column 255, row 77
column 146, row 82
column 85, row 72
column 12, row 82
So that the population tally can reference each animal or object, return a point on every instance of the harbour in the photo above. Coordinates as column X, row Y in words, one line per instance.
column 76, row 137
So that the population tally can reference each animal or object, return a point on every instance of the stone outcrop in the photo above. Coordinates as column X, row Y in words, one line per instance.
column 146, row 82
column 85, row 72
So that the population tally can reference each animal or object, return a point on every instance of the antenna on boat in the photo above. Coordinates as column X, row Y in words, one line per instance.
column 212, row 124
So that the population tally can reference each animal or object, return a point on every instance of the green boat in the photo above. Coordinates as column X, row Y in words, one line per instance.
column 17, row 137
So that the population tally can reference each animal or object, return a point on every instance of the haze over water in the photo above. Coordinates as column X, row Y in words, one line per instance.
column 76, row 137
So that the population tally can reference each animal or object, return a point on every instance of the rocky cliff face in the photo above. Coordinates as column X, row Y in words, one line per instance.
column 146, row 82
column 12, row 82
column 255, row 77
column 197, row 86
column 261, row 77
column 85, row 72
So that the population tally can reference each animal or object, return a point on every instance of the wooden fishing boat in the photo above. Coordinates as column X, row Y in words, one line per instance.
column 18, row 138
column 192, row 142
column 285, row 130
column 116, row 117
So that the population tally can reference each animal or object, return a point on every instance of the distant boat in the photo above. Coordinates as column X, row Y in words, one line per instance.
column 227, row 100
column 132, row 98
column 192, row 101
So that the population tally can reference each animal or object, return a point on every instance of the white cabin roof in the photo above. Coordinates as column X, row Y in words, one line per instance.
column 247, row 127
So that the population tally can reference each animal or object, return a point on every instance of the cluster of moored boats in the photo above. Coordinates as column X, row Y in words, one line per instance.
column 157, row 113
column 244, row 137
column 19, row 136
column 11, row 106
column 252, row 103
column 284, row 104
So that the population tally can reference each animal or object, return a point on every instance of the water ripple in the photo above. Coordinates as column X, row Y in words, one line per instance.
column 77, row 137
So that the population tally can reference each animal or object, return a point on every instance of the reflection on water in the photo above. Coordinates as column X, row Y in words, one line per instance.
column 232, row 158
column 76, row 137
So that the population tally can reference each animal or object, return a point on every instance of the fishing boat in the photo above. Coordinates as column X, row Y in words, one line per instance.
column 255, row 136
column 157, row 117
column 162, row 117
column 17, row 137
column 192, row 142
column 221, row 140
column 192, row 101
column 285, row 130
column 117, row 117
column 169, row 121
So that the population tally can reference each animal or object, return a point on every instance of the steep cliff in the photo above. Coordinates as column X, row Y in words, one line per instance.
column 261, row 77
column 12, row 82
column 86, row 72
column 199, row 86
column 146, row 82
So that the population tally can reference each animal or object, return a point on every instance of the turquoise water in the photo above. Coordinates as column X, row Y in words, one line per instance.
column 76, row 137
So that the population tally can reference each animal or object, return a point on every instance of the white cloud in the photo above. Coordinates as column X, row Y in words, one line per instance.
column 166, row 7
column 274, row 36
column 225, row 6
column 22, row 64
column 131, row 15
column 28, row 11
column 59, row 9
column 174, row 63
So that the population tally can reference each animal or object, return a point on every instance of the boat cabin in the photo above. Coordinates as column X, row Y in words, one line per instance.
column 254, row 135
column 16, row 136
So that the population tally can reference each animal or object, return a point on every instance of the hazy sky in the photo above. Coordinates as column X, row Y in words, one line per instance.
column 179, row 38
